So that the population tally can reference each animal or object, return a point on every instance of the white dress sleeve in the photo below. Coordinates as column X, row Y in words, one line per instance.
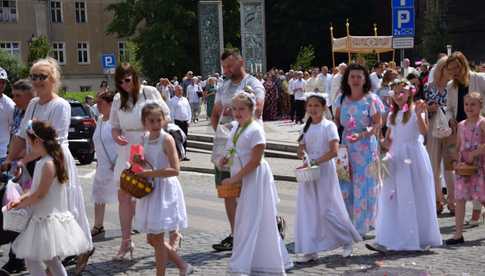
column 332, row 132
column 257, row 136
column 62, row 115
column 115, row 108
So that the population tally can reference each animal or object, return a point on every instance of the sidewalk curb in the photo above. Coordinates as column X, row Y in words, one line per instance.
column 212, row 171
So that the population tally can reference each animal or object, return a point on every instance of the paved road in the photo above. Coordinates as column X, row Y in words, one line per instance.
column 208, row 225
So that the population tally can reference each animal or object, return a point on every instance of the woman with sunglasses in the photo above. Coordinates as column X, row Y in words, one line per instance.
column 49, row 108
column 127, row 130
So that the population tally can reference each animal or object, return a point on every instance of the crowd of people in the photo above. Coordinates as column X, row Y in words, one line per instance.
column 405, row 131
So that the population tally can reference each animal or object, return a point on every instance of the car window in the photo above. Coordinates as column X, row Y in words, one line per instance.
column 77, row 110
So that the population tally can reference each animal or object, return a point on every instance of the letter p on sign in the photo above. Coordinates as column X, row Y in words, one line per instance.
column 403, row 17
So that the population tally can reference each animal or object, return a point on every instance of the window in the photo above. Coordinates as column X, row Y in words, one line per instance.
column 59, row 52
column 11, row 47
column 122, row 51
column 8, row 11
column 56, row 11
column 81, row 12
column 82, row 53
column 85, row 88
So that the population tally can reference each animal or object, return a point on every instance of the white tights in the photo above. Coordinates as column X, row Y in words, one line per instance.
column 37, row 268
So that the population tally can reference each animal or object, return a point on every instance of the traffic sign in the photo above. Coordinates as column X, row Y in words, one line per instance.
column 109, row 61
column 402, row 42
column 403, row 18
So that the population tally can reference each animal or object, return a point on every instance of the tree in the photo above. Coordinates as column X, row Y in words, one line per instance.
column 165, row 32
column 39, row 47
column 305, row 58
column 15, row 69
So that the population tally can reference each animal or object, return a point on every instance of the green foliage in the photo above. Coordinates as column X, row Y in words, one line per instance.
column 78, row 96
column 39, row 48
column 15, row 69
column 132, row 55
column 435, row 35
column 164, row 32
column 305, row 58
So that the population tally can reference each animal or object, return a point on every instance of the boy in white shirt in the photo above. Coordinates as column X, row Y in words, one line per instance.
column 181, row 112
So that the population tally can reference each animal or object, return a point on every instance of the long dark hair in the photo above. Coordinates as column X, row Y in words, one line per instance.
column 346, row 91
column 123, row 70
column 309, row 120
column 48, row 135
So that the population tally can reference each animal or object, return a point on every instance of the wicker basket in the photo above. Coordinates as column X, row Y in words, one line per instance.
column 135, row 185
column 228, row 191
column 466, row 170
column 15, row 220
column 307, row 174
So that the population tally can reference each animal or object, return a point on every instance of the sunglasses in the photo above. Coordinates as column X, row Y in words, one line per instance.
column 125, row 80
column 40, row 77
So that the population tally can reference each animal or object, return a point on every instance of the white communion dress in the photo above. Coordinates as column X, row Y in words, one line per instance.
column 406, row 217
column 258, row 248
column 322, row 221
column 163, row 210
column 52, row 231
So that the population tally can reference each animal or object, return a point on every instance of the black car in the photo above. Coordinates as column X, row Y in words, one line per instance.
column 81, row 130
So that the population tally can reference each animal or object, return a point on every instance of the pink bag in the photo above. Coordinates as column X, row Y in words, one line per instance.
column 136, row 152
column 12, row 192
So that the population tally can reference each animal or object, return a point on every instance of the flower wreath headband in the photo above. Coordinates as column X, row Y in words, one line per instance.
column 405, row 84
column 248, row 92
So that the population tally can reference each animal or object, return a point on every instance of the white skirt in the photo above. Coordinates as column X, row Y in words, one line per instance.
column 104, row 186
column 56, row 235
column 406, row 217
column 258, row 247
column 322, row 222
column 75, row 195
column 163, row 210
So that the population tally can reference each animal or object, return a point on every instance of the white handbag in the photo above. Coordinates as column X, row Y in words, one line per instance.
column 220, row 141
column 441, row 129
column 15, row 220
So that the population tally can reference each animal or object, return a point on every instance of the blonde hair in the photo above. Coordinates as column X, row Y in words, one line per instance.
column 440, row 69
column 244, row 98
column 55, row 70
column 475, row 96
column 461, row 60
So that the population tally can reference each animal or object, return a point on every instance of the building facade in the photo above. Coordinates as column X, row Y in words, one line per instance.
column 76, row 30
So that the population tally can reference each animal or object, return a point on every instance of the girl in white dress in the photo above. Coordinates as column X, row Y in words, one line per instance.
column 322, row 222
column 406, row 217
column 52, row 232
column 163, row 210
column 258, row 248
column 104, row 186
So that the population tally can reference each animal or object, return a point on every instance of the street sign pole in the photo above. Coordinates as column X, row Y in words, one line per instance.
column 403, row 25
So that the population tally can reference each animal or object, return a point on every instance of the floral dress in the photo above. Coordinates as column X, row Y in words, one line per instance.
column 360, row 195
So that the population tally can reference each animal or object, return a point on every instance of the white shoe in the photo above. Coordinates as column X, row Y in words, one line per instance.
column 347, row 250
column 308, row 258
column 188, row 270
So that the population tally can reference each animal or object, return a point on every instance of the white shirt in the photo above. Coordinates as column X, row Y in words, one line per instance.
column 315, row 84
column 335, row 88
column 375, row 82
column 298, row 87
column 409, row 70
column 7, row 107
column 290, row 86
column 180, row 109
column 327, row 82
column 192, row 90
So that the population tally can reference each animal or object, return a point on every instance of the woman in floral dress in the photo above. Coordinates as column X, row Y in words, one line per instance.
column 358, row 112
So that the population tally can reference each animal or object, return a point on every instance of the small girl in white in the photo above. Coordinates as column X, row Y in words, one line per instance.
column 322, row 222
column 258, row 248
column 163, row 210
column 406, row 217
column 104, row 186
column 52, row 232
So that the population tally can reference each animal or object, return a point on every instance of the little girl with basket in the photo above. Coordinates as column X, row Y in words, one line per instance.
column 163, row 209
column 52, row 232
column 322, row 221
column 470, row 169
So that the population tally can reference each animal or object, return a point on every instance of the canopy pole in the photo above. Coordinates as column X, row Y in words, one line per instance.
column 375, row 33
column 347, row 25
column 331, row 41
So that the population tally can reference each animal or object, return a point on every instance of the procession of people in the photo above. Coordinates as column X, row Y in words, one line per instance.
column 403, row 133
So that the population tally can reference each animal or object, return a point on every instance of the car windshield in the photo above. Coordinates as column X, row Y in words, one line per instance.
column 78, row 111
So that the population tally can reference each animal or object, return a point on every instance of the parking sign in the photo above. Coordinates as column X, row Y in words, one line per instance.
column 109, row 61
column 403, row 18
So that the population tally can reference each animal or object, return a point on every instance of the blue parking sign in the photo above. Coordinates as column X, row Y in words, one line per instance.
column 109, row 61
column 403, row 18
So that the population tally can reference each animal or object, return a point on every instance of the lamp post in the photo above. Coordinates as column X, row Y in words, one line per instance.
column 448, row 49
